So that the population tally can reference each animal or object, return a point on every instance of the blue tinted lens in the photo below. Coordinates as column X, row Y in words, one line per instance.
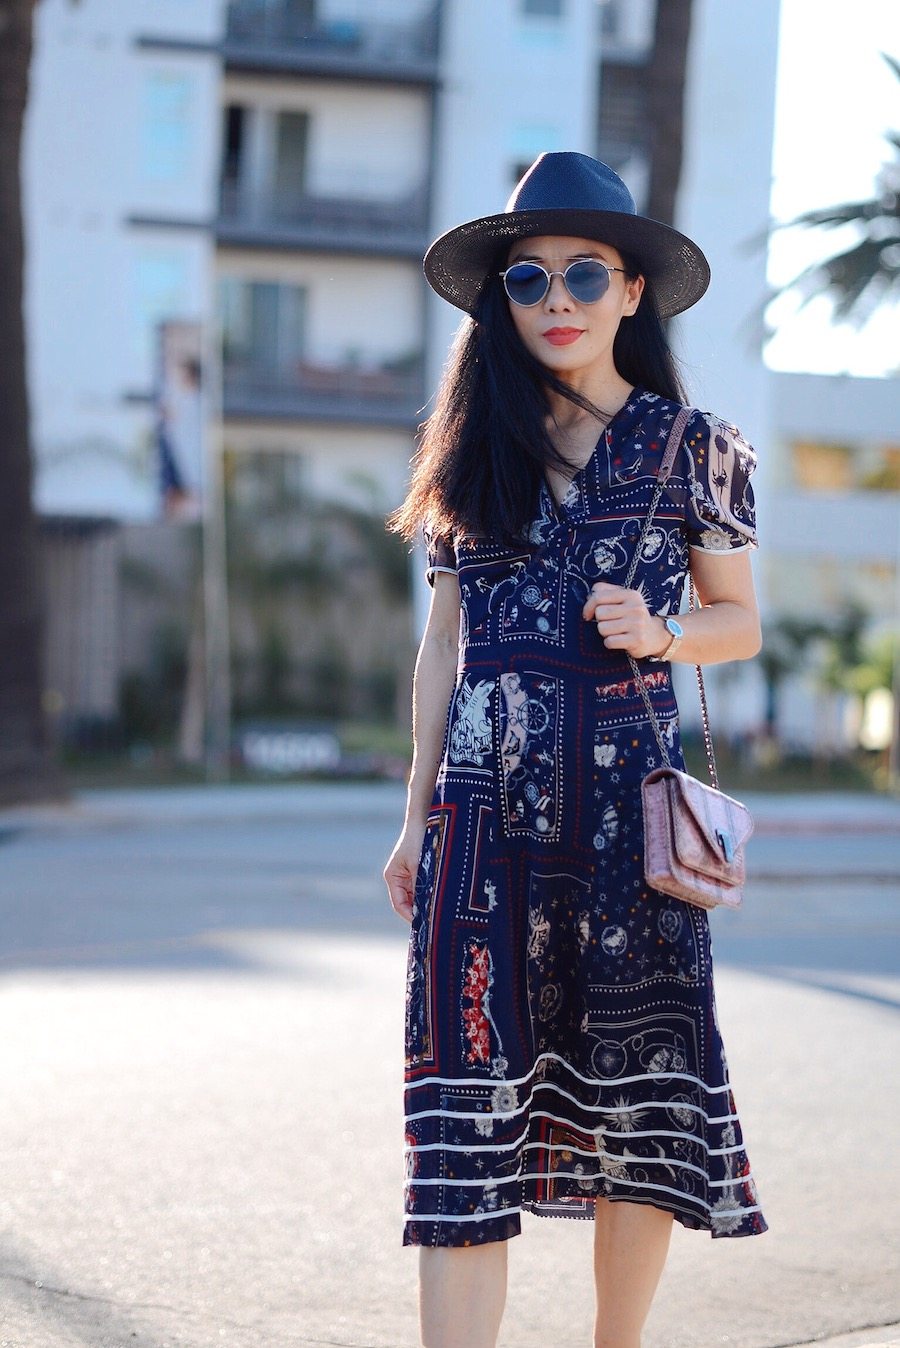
column 587, row 281
column 526, row 283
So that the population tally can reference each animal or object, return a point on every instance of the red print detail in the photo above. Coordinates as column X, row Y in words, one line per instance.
column 655, row 679
column 476, row 987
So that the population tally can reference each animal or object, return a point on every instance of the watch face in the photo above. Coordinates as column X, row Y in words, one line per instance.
column 674, row 627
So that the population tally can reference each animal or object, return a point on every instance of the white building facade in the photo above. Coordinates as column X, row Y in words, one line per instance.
column 274, row 169
column 120, row 162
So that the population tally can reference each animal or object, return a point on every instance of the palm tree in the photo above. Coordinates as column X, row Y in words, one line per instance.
column 867, row 273
column 26, row 769
column 666, row 84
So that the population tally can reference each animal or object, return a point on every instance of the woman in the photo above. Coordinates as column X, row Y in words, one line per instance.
column 563, row 1054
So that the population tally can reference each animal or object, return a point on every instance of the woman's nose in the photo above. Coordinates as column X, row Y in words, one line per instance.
column 558, row 295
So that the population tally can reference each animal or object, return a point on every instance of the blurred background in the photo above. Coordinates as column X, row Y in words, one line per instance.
column 216, row 346
column 228, row 346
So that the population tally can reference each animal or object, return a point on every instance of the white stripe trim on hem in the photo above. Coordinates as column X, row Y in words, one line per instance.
column 465, row 1217
column 597, row 1109
column 609, row 1155
column 522, row 1175
column 632, row 1184
column 588, row 1081
column 563, row 1146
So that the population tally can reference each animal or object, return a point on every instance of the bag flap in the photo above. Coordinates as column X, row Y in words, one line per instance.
column 713, row 812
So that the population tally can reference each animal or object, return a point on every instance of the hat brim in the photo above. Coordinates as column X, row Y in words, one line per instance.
column 457, row 264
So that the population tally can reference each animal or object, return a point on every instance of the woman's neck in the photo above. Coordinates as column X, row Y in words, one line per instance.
column 607, row 393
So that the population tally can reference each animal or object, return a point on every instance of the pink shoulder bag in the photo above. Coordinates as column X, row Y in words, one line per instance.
column 694, row 835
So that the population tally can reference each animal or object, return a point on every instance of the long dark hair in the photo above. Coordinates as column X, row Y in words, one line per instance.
column 482, row 452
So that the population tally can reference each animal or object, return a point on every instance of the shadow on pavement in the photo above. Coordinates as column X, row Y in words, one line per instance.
column 38, row 1296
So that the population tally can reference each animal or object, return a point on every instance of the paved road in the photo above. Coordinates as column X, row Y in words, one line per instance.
column 201, row 995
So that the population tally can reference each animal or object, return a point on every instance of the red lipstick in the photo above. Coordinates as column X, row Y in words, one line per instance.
column 562, row 336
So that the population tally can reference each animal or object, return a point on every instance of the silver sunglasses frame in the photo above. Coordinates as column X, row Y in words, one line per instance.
column 579, row 261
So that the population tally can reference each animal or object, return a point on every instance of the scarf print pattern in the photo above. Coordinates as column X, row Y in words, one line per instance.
column 561, row 1030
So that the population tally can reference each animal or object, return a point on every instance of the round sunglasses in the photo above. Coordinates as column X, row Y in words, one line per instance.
column 527, row 283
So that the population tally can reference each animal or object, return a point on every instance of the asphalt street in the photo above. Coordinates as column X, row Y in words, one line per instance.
column 201, row 995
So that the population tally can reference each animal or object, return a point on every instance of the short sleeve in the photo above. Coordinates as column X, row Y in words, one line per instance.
column 440, row 554
column 721, row 512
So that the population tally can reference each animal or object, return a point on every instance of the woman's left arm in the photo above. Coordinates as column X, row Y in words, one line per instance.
column 726, row 627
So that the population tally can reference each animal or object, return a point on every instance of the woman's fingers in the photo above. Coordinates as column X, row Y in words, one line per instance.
column 631, row 612
column 604, row 593
column 400, row 887
column 401, row 898
column 625, row 641
column 623, row 620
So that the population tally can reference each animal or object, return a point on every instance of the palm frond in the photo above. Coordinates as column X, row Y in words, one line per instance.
column 856, row 280
column 861, row 213
column 893, row 62
column 866, row 274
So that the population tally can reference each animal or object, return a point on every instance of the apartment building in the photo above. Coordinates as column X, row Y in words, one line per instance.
column 119, row 187
column 119, row 181
column 274, row 170
column 328, row 116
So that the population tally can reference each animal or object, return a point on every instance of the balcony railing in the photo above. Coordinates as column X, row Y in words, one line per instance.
column 277, row 37
column 294, row 219
column 390, row 395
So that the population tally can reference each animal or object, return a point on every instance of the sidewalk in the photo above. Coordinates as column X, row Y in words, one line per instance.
column 202, row 1089
column 811, row 812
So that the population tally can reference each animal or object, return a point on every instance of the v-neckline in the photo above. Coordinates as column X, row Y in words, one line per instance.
column 559, row 509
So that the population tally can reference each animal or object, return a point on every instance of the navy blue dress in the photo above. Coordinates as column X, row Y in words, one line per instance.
column 561, row 1032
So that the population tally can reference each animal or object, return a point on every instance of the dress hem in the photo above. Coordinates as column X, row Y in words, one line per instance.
column 584, row 1212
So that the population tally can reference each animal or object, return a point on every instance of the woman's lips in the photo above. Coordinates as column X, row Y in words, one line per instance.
column 562, row 336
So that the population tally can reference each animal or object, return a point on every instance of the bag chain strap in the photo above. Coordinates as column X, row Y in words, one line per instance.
column 673, row 442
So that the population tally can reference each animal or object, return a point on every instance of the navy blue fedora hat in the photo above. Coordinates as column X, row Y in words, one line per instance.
column 569, row 194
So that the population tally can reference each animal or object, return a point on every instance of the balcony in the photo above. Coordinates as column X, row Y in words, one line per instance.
column 278, row 37
column 389, row 396
column 326, row 224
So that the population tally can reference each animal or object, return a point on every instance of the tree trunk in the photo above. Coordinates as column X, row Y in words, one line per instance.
column 667, row 80
column 26, row 770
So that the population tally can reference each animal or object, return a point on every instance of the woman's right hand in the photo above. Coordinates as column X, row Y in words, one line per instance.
column 402, row 868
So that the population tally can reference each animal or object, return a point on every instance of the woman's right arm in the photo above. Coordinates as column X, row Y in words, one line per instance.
column 433, row 683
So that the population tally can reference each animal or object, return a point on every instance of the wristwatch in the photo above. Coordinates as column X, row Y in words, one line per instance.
column 677, row 632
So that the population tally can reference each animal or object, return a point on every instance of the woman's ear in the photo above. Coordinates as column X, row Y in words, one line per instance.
column 634, row 288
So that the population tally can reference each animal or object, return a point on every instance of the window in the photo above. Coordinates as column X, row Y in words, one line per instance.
column 166, row 128
column 826, row 466
column 543, row 9
column 233, row 138
column 160, row 294
column 527, row 143
column 822, row 467
column 268, row 479
column 610, row 18
column 880, row 470
column 291, row 137
column 263, row 326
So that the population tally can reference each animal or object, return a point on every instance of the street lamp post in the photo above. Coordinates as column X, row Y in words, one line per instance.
column 217, row 737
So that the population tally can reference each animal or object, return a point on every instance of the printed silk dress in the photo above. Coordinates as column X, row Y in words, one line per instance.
column 561, row 1031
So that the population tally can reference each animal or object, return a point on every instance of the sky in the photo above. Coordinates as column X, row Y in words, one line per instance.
column 835, row 98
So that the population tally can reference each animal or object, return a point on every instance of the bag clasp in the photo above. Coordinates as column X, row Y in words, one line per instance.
column 726, row 842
